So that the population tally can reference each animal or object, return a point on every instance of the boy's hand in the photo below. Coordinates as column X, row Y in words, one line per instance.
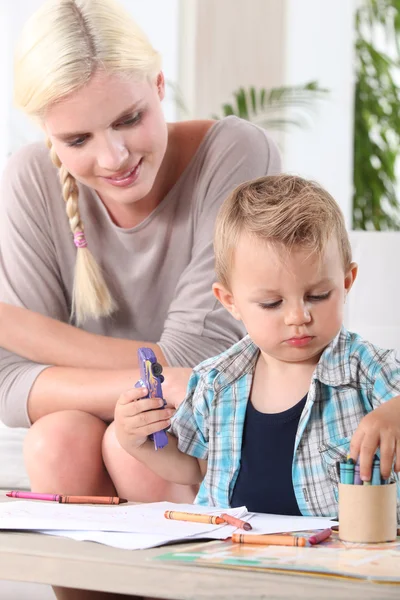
column 135, row 417
column 380, row 428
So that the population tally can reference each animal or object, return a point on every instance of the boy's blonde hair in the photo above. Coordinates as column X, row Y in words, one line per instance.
column 283, row 210
column 60, row 48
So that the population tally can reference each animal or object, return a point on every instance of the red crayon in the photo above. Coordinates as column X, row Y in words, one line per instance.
column 236, row 522
column 320, row 536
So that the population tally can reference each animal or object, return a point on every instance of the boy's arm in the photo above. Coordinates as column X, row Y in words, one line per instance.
column 170, row 463
column 378, row 429
column 381, row 427
column 136, row 417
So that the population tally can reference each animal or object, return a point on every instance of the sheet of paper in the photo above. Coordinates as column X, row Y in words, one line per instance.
column 137, row 541
column 139, row 518
column 262, row 523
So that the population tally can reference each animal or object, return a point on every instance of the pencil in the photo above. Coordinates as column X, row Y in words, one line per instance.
column 269, row 540
column 193, row 517
column 236, row 522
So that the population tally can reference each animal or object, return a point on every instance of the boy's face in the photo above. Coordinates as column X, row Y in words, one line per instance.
column 292, row 306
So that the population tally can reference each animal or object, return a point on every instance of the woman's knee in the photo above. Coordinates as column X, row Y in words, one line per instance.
column 64, row 440
column 135, row 481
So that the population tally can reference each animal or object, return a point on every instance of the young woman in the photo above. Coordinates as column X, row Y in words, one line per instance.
column 106, row 236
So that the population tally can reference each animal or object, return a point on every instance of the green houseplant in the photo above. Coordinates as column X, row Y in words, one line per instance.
column 273, row 108
column 377, row 116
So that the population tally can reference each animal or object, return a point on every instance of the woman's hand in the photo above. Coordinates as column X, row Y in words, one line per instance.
column 175, row 384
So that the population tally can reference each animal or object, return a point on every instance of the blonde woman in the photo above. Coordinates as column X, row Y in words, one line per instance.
column 106, row 236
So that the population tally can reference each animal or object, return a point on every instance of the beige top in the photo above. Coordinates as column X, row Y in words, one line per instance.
column 160, row 272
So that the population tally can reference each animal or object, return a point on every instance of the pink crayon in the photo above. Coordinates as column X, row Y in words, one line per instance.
column 320, row 537
column 33, row 496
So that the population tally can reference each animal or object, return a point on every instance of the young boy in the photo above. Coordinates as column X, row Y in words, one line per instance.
column 264, row 423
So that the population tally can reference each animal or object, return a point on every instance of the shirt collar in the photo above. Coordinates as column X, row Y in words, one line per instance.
column 333, row 367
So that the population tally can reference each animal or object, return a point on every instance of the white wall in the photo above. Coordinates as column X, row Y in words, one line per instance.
column 319, row 38
column 268, row 43
column 160, row 20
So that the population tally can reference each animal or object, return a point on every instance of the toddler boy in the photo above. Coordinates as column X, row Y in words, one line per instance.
column 264, row 423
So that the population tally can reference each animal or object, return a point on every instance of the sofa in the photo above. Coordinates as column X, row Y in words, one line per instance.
column 371, row 310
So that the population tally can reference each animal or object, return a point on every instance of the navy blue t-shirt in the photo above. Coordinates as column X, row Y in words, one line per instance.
column 264, row 483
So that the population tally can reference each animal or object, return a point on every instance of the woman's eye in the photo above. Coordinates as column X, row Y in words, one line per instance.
column 319, row 297
column 78, row 142
column 130, row 121
column 270, row 305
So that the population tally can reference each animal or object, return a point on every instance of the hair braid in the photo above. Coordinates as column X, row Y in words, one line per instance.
column 90, row 296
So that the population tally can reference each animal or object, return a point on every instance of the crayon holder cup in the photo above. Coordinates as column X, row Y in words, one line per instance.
column 367, row 513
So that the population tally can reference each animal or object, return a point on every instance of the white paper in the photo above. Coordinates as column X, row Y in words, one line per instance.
column 262, row 523
column 138, row 541
column 140, row 526
column 139, row 518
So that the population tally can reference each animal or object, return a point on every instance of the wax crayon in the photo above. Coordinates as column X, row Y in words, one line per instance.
column 67, row 499
column 193, row 518
column 269, row 540
column 357, row 478
column 376, row 473
column 320, row 536
column 236, row 522
column 346, row 473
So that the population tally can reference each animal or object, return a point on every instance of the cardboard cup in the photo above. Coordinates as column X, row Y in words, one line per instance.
column 367, row 513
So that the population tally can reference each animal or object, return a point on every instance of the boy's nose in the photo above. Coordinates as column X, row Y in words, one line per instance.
column 297, row 315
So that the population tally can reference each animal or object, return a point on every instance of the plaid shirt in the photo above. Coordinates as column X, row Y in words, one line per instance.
column 351, row 379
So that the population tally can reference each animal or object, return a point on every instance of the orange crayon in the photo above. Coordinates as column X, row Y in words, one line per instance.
column 91, row 500
column 193, row 517
column 236, row 522
column 269, row 540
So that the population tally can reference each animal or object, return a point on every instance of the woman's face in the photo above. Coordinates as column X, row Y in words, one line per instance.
column 111, row 135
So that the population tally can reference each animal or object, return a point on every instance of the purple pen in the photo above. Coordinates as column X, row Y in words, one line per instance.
column 34, row 496
column 151, row 378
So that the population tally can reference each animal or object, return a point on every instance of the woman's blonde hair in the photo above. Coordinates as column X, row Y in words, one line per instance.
column 282, row 210
column 60, row 48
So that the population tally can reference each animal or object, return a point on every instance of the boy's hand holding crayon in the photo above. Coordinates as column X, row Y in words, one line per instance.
column 136, row 417
column 379, row 429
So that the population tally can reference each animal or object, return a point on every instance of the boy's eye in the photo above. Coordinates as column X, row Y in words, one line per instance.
column 270, row 305
column 319, row 297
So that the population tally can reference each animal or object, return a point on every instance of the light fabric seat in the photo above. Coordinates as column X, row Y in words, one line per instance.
column 372, row 307
column 372, row 310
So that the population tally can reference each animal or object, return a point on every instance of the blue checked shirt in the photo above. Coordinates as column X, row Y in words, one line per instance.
column 351, row 379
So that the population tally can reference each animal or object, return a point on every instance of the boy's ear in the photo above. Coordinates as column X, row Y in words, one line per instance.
column 226, row 298
column 350, row 277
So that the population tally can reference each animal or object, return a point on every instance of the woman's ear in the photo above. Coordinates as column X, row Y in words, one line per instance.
column 226, row 298
column 160, row 83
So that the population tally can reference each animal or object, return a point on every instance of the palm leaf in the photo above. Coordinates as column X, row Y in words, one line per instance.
column 268, row 107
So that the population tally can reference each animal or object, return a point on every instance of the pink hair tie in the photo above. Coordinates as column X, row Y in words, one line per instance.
column 80, row 240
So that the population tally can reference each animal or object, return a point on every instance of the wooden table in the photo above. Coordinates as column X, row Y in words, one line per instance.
column 36, row 558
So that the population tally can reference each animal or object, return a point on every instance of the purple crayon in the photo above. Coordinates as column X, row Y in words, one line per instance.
column 151, row 378
column 357, row 478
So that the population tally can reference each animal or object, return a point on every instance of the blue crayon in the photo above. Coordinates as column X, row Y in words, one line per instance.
column 376, row 472
column 347, row 473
